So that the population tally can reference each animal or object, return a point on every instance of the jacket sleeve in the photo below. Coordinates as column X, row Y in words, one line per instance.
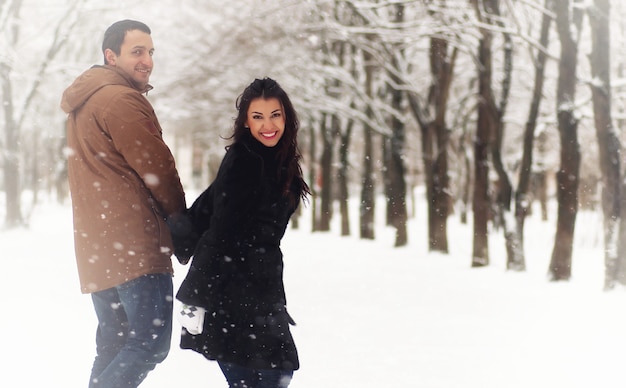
column 137, row 136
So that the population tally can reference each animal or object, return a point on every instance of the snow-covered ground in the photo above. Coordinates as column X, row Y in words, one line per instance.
column 369, row 315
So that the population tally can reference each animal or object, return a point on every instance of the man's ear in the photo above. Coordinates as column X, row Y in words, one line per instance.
column 110, row 56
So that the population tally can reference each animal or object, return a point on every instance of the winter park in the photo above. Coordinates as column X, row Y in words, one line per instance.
column 367, row 315
column 466, row 221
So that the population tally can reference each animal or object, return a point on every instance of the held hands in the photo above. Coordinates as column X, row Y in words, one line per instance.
column 192, row 318
column 183, row 236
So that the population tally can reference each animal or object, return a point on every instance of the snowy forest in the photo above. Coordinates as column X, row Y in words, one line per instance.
column 489, row 106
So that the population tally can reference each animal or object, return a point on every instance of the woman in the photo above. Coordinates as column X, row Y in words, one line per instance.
column 236, row 276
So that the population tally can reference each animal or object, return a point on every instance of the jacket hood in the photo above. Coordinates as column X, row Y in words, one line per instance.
column 91, row 81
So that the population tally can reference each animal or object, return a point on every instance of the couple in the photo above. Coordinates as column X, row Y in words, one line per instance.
column 130, row 216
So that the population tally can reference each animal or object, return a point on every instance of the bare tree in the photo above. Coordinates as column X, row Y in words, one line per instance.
column 328, row 130
column 344, row 146
column 10, row 28
column 522, row 201
column 485, row 127
column 396, row 190
column 568, row 21
column 504, row 188
column 368, row 189
column 17, row 108
column 435, row 139
column 608, row 141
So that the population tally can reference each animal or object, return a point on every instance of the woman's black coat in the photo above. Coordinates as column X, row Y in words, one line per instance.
column 237, row 269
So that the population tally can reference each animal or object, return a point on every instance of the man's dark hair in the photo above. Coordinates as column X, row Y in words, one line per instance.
column 115, row 34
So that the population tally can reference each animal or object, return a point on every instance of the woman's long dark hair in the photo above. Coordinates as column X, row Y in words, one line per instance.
column 287, row 153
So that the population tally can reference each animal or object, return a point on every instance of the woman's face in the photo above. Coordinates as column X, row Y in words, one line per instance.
column 266, row 120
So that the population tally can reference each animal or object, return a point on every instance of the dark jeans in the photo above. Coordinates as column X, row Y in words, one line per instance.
column 134, row 330
column 241, row 377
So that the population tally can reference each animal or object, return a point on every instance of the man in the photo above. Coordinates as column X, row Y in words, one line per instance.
column 125, row 191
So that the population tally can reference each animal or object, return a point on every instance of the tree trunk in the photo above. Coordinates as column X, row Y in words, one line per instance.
column 397, row 187
column 466, row 188
column 313, row 174
column 326, row 165
column 442, row 67
column 11, row 159
column 485, row 129
column 621, row 246
column 343, row 179
column 467, row 181
column 428, row 150
column 368, row 192
column 428, row 145
column 368, row 188
column 522, row 201
column 620, row 270
column 568, row 175
column 10, row 153
column 504, row 188
column 60, row 172
column 608, row 141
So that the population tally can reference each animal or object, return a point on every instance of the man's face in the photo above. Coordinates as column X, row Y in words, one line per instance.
column 135, row 57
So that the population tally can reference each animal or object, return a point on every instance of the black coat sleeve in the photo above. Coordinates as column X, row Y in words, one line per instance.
column 200, row 212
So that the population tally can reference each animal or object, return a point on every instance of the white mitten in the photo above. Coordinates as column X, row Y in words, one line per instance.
column 192, row 318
